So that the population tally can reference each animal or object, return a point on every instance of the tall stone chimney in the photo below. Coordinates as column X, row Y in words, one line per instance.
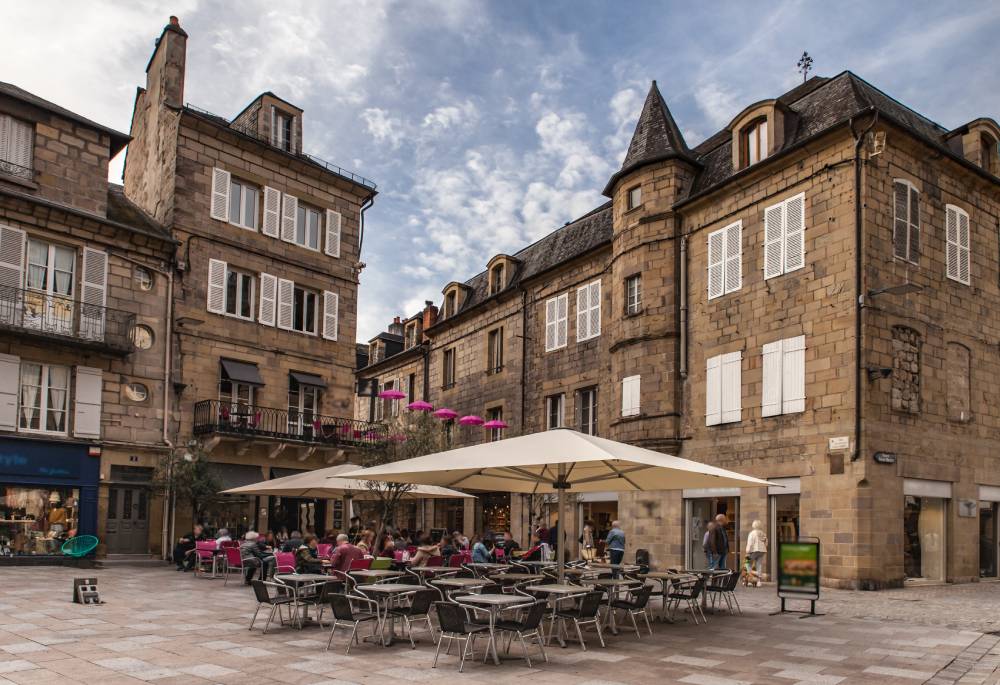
column 165, row 71
column 430, row 315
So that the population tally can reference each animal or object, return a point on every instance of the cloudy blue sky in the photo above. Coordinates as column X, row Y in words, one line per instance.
column 489, row 124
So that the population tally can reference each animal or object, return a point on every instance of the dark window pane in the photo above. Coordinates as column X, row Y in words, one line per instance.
column 113, row 503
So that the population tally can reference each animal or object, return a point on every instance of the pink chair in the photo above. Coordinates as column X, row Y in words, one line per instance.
column 360, row 565
column 436, row 561
column 324, row 550
column 234, row 562
column 398, row 555
column 204, row 552
column 412, row 549
column 284, row 562
column 498, row 552
column 229, row 544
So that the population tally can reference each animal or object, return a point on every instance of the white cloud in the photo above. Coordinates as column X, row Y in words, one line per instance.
column 383, row 127
column 440, row 119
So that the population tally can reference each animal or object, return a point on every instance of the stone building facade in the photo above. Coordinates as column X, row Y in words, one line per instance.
column 807, row 296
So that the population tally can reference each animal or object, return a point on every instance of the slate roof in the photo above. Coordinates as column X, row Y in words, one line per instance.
column 118, row 139
column 124, row 211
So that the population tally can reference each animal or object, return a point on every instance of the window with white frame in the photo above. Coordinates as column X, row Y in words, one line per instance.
column 16, row 147
column 554, row 407
column 410, row 335
column 495, row 414
column 304, row 310
column 958, row 249
column 723, row 388
column 307, row 227
column 725, row 260
column 236, row 394
column 588, row 311
column 784, row 236
column 239, row 294
column 243, row 201
column 494, row 351
column 390, row 408
column 448, row 368
column 633, row 294
column 497, row 280
column 556, row 322
column 784, row 386
column 303, row 405
column 586, row 410
column 906, row 221
column 754, row 141
column 630, row 396
column 44, row 397
column 634, row 197
column 281, row 129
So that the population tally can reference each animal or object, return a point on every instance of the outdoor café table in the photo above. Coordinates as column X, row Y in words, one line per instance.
column 384, row 594
column 485, row 566
column 298, row 581
column 516, row 577
column 558, row 591
column 376, row 574
column 614, row 586
column 428, row 572
column 665, row 578
column 495, row 603
column 452, row 584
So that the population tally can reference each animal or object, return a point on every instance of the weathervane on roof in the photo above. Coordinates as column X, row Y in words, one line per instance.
column 805, row 65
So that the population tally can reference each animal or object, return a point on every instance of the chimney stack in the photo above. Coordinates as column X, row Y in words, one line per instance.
column 430, row 315
column 165, row 71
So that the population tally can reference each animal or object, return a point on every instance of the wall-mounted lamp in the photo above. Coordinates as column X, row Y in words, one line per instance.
column 901, row 289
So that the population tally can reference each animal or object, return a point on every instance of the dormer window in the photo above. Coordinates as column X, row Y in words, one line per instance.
column 281, row 130
column 410, row 335
column 988, row 153
column 753, row 141
column 634, row 197
column 497, row 279
column 449, row 304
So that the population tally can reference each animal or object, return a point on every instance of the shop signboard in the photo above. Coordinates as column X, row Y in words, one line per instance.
column 798, row 571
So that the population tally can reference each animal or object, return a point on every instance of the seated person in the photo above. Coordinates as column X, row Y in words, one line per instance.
column 344, row 554
column 534, row 552
column 482, row 551
column 425, row 550
column 184, row 555
column 509, row 544
column 306, row 558
column 293, row 542
column 255, row 554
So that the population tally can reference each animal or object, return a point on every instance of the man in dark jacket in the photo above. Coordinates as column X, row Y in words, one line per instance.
column 721, row 541
column 293, row 542
column 184, row 555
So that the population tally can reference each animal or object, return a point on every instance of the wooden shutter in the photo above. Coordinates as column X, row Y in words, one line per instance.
column 582, row 313
column 333, row 221
column 87, row 413
column 21, row 144
column 272, row 212
column 595, row 309
column 286, row 303
column 219, row 206
column 771, row 385
column 93, row 294
column 716, row 275
column 550, row 324
column 914, row 216
column 562, row 320
column 773, row 243
column 734, row 258
column 11, row 257
column 630, row 396
column 793, row 375
column 330, row 304
column 901, row 223
column 268, row 298
column 795, row 232
column 289, row 215
column 964, row 249
column 10, row 377
column 957, row 244
column 5, row 123
column 713, row 391
column 732, row 405
column 216, row 286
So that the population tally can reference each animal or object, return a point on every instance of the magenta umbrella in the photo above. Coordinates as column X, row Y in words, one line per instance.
column 392, row 394
column 494, row 424
column 420, row 405
column 445, row 414
column 470, row 420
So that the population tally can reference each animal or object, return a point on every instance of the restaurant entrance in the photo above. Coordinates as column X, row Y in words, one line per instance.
column 703, row 507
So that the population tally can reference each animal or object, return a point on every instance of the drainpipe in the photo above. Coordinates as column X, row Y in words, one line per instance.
column 683, row 309
column 524, row 353
column 859, row 140
column 365, row 206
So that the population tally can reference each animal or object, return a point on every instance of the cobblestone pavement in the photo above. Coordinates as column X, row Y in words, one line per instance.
column 159, row 625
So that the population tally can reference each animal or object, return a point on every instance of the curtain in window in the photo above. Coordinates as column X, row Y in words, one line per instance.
column 31, row 381
column 58, row 384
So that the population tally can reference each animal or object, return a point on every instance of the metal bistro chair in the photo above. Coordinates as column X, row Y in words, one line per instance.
column 725, row 587
column 345, row 614
column 637, row 605
column 586, row 613
column 284, row 562
column 264, row 598
column 454, row 626
column 418, row 610
column 234, row 563
column 530, row 627
column 687, row 591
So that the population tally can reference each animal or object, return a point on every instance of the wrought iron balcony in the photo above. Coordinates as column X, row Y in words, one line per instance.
column 8, row 168
column 55, row 317
column 281, row 425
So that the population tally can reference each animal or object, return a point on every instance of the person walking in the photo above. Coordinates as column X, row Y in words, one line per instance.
column 756, row 549
column 587, row 548
column 722, row 542
column 708, row 545
column 616, row 545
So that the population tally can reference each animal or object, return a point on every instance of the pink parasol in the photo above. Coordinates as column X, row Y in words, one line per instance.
column 445, row 414
column 420, row 405
column 495, row 423
column 392, row 394
column 470, row 420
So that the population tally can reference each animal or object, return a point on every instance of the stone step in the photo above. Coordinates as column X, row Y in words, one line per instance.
column 119, row 560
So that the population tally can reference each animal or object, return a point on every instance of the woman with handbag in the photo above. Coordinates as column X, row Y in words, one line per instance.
column 588, row 551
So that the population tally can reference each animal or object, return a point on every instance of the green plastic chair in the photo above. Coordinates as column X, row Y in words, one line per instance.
column 381, row 563
column 80, row 546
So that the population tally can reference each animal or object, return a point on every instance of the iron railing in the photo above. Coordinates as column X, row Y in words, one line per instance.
column 252, row 131
column 8, row 168
column 57, row 317
column 252, row 421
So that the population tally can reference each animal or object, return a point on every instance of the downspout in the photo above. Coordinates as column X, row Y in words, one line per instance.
column 427, row 372
column 524, row 353
column 859, row 140
column 365, row 206
column 683, row 309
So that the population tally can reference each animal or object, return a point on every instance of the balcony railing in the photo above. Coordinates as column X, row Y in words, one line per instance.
column 253, row 131
column 10, row 169
column 63, row 318
column 251, row 421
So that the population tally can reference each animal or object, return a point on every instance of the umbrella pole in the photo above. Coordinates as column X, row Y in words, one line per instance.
column 561, row 523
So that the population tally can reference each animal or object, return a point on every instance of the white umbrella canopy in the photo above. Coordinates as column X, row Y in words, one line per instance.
column 326, row 483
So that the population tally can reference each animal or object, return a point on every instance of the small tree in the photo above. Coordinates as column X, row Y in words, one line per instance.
column 188, row 478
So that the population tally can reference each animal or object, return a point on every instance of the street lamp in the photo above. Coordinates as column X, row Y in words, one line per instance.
column 901, row 289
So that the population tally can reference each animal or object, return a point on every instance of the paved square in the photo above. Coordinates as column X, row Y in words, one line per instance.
column 164, row 627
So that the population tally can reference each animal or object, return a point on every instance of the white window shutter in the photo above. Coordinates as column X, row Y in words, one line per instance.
column 87, row 414
column 93, row 294
column 268, row 299
column 219, row 206
column 5, row 135
column 795, row 232
column 289, row 215
column 901, row 219
column 595, row 309
column 732, row 405
column 713, row 391
column 11, row 258
column 550, row 324
column 562, row 320
column 582, row 313
column 716, row 277
column 286, row 304
column 771, row 385
column 914, row 246
column 964, row 249
column 793, row 375
column 333, row 221
column 734, row 257
column 630, row 396
column 330, row 305
column 216, row 286
column 21, row 144
column 272, row 212
column 10, row 376
column 773, row 243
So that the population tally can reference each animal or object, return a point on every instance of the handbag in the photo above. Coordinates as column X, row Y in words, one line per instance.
column 588, row 553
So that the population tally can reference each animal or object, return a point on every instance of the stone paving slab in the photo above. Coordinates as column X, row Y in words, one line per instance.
column 163, row 627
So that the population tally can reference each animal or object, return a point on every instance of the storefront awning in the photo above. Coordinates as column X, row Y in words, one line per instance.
column 241, row 372
column 307, row 379
column 234, row 475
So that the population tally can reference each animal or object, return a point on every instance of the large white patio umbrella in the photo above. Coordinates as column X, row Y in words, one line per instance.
column 558, row 460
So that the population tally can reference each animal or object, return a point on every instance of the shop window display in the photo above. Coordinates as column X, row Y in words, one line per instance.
column 36, row 520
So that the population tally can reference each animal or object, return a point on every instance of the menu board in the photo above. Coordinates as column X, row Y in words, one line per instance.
column 798, row 568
